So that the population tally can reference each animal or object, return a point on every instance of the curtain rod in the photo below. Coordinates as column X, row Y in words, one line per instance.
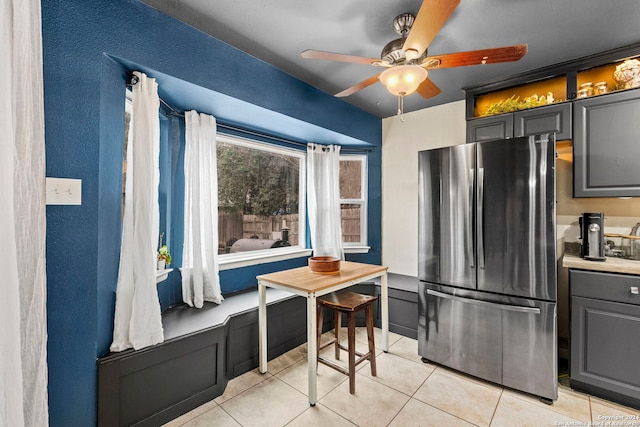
column 174, row 112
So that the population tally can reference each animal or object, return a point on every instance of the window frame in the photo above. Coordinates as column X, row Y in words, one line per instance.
column 243, row 259
column 362, row 245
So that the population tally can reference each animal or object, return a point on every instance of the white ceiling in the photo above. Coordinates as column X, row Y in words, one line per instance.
column 276, row 31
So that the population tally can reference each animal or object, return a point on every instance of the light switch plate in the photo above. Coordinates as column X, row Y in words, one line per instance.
column 64, row 191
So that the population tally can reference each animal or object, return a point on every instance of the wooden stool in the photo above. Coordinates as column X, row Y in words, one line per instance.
column 349, row 303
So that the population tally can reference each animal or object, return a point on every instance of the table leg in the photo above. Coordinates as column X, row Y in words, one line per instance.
column 262, row 326
column 312, row 348
column 385, row 312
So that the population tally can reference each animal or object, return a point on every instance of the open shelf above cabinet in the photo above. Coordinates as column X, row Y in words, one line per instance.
column 611, row 71
column 531, row 95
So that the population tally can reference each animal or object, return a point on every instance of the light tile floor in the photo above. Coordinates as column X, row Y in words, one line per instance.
column 406, row 392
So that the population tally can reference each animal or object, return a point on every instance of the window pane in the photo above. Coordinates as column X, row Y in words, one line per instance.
column 350, row 214
column 350, row 179
column 257, row 199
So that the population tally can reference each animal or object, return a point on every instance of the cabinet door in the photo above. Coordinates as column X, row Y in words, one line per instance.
column 606, row 145
column 553, row 118
column 488, row 128
column 605, row 344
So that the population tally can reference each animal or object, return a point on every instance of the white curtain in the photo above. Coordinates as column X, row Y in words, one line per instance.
column 323, row 198
column 200, row 278
column 138, row 321
column 23, row 324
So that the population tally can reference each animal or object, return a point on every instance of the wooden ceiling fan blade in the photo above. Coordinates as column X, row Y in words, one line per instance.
column 340, row 57
column 476, row 57
column 357, row 87
column 429, row 20
column 428, row 89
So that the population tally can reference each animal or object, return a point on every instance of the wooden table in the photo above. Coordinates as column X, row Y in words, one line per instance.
column 302, row 281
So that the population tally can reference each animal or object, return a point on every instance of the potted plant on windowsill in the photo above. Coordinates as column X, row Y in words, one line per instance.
column 164, row 257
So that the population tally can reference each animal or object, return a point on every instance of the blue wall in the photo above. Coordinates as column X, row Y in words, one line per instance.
column 89, row 47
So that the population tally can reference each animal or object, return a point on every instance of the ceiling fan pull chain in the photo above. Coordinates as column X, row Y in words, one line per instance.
column 401, row 107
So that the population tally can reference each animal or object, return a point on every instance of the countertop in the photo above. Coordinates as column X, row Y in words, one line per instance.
column 612, row 265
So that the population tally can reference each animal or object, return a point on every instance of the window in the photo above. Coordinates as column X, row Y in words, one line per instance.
column 260, row 189
column 353, row 201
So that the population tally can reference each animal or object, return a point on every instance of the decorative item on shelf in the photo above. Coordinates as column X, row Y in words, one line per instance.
column 627, row 74
column 164, row 257
column 600, row 88
column 324, row 264
column 536, row 101
column 513, row 103
column 585, row 90
column 503, row 106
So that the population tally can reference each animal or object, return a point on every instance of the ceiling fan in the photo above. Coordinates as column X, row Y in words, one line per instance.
column 406, row 60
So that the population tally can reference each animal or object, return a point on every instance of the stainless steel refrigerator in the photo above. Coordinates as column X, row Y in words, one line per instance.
column 487, row 261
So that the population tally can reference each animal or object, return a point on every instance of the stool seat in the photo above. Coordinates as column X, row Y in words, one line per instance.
column 345, row 301
column 349, row 303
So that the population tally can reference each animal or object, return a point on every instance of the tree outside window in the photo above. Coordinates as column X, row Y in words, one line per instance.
column 258, row 196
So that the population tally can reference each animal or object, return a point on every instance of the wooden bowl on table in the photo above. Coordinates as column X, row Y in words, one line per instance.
column 324, row 264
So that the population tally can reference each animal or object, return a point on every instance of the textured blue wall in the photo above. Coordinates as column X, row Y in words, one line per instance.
column 89, row 46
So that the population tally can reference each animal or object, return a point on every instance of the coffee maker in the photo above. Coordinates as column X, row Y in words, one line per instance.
column 592, row 236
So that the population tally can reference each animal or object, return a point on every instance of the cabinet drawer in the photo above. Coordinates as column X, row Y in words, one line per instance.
column 604, row 286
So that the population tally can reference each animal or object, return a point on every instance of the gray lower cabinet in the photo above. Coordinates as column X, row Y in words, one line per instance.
column 605, row 146
column 403, row 305
column 552, row 118
column 605, row 335
column 152, row 386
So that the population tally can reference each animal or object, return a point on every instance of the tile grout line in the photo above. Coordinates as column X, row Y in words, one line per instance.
column 493, row 414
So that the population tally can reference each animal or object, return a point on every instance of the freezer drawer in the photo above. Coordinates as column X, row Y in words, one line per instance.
column 509, row 341
column 462, row 335
column 530, row 350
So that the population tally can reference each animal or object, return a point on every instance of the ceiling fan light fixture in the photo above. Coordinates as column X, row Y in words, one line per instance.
column 403, row 80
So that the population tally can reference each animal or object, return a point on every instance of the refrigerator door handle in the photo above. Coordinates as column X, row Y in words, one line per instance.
column 517, row 308
column 480, row 221
column 470, row 237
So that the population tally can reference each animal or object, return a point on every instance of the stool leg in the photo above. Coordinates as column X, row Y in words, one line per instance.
column 351, row 332
column 370, row 338
column 337, row 321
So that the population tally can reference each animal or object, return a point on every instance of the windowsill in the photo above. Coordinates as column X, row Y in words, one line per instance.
column 360, row 249
column 245, row 259
column 162, row 274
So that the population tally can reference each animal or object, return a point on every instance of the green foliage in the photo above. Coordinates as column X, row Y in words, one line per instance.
column 514, row 104
column 503, row 106
column 256, row 182
column 163, row 253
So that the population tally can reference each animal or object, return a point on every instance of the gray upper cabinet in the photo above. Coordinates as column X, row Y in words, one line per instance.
column 552, row 118
column 488, row 128
column 606, row 145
